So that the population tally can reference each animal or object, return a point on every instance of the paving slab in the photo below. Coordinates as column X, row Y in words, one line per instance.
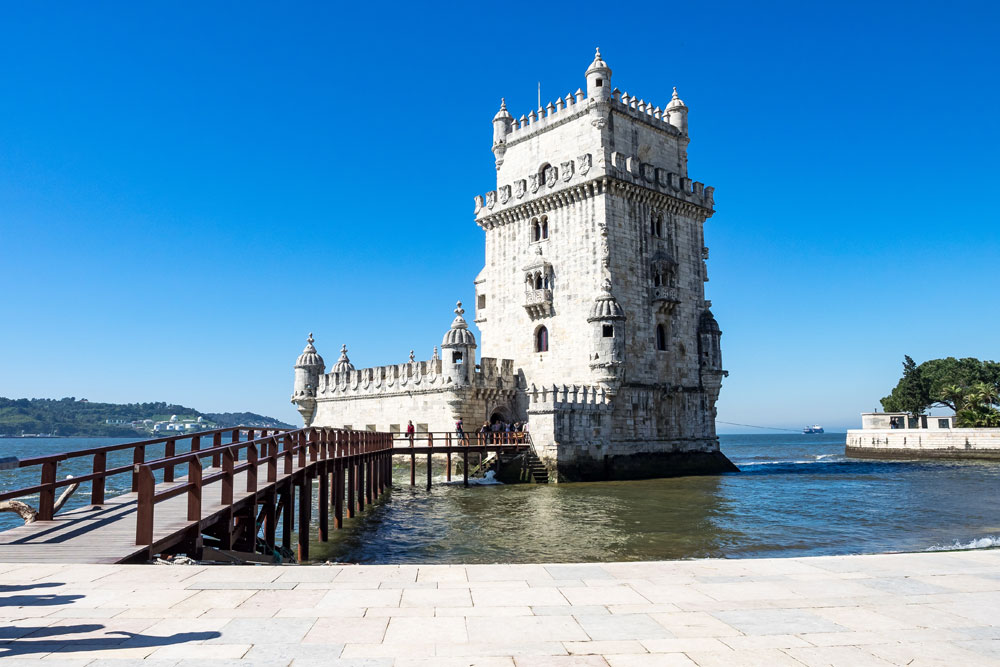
column 888, row 609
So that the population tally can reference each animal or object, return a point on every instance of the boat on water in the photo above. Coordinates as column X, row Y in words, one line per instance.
column 815, row 428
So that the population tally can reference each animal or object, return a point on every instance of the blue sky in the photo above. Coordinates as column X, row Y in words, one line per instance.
column 186, row 190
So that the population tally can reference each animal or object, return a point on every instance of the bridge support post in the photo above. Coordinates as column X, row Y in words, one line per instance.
column 370, row 478
column 287, row 519
column 338, row 494
column 465, row 467
column 351, row 485
column 270, row 529
column 359, row 464
column 305, row 510
column 324, row 501
column 448, row 469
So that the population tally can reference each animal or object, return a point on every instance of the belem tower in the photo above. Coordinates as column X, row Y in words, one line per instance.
column 591, row 305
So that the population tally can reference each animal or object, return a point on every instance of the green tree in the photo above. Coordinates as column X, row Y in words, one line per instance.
column 959, row 384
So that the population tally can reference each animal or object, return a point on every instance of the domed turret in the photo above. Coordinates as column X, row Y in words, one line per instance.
column 598, row 78
column 343, row 364
column 308, row 367
column 677, row 113
column 709, row 342
column 310, row 357
column 458, row 349
column 607, row 350
column 501, row 128
column 606, row 306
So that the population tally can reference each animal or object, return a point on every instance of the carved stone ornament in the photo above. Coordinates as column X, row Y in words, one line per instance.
column 533, row 183
column 504, row 194
column 479, row 203
column 491, row 199
column 567, row 170
column 584, row 162
column 551, row 176
column 520, row 187
column 605, row 247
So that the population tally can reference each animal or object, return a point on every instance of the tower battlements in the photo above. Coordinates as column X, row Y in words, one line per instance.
column 558, row 184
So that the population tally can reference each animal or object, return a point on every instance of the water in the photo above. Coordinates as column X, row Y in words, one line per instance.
column 796, row 495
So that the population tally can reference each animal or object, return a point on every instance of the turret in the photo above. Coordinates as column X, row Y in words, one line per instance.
column 607, row 348
column 598, row 79
column 308, row 367
column 501, row 128
column 343, row 364
column 677, row 113
column 709, row 343
column 458, row 349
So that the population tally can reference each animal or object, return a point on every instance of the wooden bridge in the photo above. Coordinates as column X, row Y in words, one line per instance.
column 235, row 492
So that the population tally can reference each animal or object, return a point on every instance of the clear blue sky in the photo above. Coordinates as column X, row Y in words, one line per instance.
column 186, row 190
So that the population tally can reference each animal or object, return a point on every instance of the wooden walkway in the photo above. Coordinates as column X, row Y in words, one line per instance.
column 234, row 503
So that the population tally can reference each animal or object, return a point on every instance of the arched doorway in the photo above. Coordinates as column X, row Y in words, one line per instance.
column 502, row 414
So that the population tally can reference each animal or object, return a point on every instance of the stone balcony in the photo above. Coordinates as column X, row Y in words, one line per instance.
column 665, row 299
column 538, row 303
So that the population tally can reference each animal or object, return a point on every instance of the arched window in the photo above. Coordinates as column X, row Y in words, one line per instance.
column 536, row 230
column 661, row 338
column 659, row 226
column 657, row 279
column 538, row 281
column 652, row 226
column 542, row 340
column 545, row 227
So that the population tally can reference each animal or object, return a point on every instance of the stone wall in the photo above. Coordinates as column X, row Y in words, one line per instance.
column 956, row 443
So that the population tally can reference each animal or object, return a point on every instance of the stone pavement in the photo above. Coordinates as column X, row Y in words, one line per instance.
column 901, row 609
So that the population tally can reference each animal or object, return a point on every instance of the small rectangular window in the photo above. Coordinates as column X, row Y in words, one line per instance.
column 370, row 427
column 600, row 82
column 456, row 357
column 944, row 423
column 609, row 331
column 348, row 427
column 393, row 428
column 482, row 301
column 421, row 428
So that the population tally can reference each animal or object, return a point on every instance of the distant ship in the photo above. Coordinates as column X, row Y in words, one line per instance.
column 815, row 428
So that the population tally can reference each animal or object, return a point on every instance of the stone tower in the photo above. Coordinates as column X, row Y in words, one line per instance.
column 594, row 284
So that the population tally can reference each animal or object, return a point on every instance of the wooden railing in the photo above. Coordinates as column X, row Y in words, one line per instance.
column 296, row 450
column 448, row 442
column 49, row 484
column 465, row 439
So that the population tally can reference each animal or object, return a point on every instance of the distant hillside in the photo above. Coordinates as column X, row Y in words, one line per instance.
column 69, row 416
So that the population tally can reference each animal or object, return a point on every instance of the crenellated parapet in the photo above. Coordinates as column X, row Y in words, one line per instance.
column 626, row 176
column 413, row 376
column 548, row 398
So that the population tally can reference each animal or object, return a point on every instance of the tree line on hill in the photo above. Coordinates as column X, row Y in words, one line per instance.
column 968, row 386
column 69, row 416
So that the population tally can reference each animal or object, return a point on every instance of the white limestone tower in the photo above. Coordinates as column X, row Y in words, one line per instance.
column 594, row 277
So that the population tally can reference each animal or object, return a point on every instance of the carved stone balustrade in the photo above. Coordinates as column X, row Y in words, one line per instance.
column 538, row 303
column 665, row 299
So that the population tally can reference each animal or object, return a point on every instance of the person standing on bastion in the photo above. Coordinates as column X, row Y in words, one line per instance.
column 409, row 431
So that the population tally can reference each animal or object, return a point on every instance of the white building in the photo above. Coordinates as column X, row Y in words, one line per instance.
column 591, row 302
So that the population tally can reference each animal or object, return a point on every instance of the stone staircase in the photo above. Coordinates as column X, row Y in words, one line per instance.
column 535, row 468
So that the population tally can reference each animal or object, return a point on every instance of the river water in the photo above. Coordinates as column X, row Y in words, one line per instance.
column 796, row 495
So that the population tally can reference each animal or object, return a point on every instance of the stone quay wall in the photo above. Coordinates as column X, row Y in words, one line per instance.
column 956, row 443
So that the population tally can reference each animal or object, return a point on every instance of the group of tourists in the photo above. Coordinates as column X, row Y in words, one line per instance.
column 491, row 432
